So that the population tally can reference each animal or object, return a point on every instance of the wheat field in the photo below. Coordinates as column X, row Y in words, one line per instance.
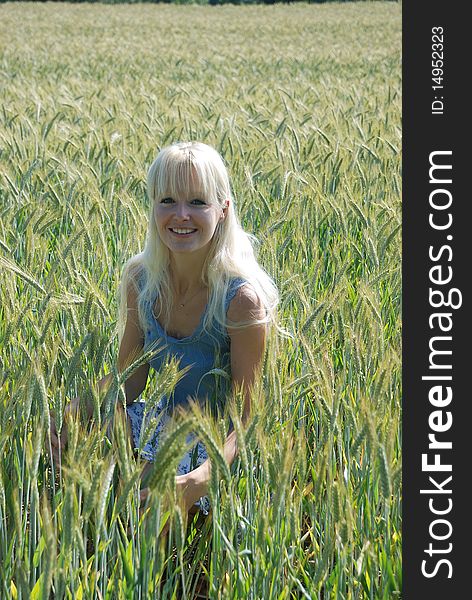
column 304, row 103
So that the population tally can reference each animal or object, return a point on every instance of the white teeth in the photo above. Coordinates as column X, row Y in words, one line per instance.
column 182, row 230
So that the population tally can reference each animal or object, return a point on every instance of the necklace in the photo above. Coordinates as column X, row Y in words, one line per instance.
column 187, row 300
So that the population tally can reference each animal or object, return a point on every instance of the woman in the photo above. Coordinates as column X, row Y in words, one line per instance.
column 197, row 291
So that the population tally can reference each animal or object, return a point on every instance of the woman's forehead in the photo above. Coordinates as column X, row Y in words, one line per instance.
column 185, row 185
column 185, row 193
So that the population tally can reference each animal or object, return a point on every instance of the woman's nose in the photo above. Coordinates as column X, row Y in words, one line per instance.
column 181, row 211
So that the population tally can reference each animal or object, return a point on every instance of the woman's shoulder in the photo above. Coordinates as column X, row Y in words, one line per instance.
column 135, row 274
column 133, row 281
column 245, row 304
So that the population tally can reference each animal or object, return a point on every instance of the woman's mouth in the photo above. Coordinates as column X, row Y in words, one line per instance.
column 182, row 230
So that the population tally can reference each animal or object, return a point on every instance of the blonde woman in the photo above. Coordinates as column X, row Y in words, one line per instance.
column 198, row 291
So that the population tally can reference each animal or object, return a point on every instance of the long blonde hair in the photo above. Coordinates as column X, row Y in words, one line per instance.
column 231, row 253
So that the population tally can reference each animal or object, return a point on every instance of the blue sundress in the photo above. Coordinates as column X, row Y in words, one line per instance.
column 203, row 351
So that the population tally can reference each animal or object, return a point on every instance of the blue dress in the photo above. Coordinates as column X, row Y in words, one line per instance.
column 203, row 351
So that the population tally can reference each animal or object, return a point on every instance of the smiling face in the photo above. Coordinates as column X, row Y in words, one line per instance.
column 186, row 221
column 189, row 187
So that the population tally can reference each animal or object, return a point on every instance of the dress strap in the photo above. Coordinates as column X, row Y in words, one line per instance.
column 233, row 287
column 140, row 278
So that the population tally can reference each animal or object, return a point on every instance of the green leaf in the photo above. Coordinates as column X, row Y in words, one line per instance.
column 127, row 562
column 39, row 550
column 36, row 591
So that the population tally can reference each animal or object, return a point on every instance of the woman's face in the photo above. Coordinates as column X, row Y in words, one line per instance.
column 186, row 222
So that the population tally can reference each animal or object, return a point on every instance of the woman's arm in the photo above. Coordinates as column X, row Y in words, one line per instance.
column 247, row 353
column 130, row 347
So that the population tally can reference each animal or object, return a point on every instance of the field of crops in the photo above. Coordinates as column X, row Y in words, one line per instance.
column 304, row 103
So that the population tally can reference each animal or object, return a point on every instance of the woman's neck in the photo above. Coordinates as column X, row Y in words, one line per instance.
column 186, row 272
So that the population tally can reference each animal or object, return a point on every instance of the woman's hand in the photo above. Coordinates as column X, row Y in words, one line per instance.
column 143, row 496
column 189, row 490
column 60, row 440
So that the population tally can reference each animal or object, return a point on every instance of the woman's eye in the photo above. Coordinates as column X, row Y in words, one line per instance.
column 166, row 201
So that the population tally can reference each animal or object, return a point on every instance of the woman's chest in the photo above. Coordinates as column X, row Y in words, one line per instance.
column 183, row 321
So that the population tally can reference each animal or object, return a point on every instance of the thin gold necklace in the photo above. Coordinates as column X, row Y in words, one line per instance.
column 187, row 300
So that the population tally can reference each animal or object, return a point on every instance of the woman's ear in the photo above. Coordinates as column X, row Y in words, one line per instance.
column 224, row 209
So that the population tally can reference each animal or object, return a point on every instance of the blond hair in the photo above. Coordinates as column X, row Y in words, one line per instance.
column 231, row 253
